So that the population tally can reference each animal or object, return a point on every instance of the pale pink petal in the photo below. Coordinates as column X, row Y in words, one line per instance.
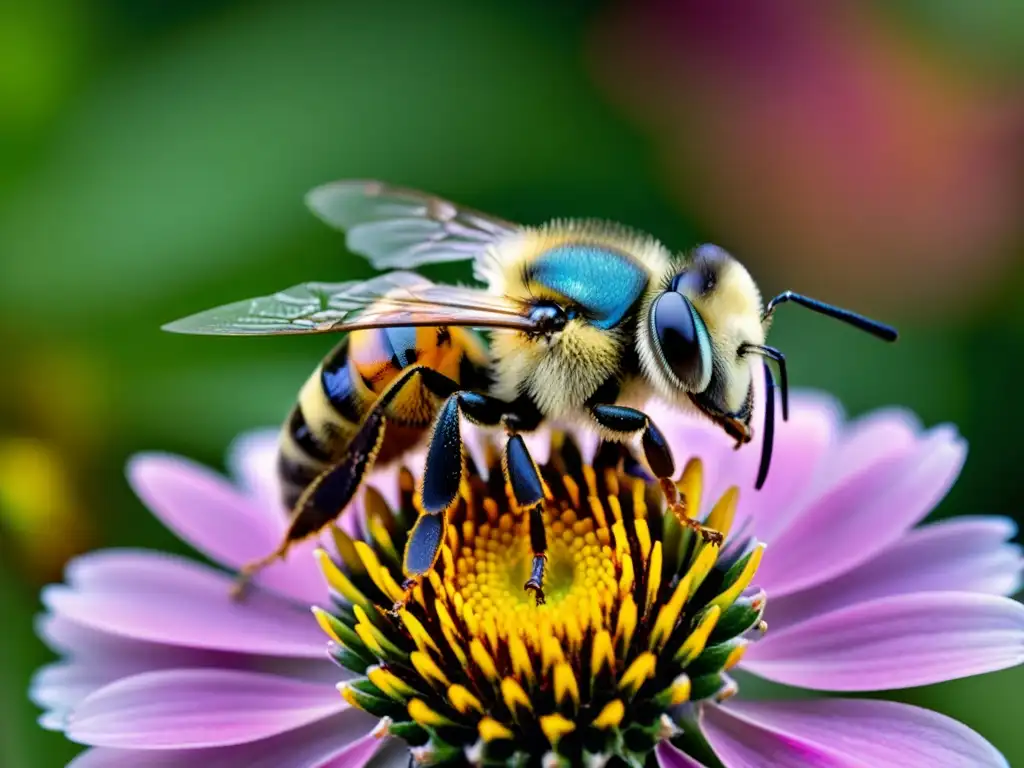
column 865, row 512
column 166, row 599
column 843, row 732
column 539, row 445
column 670, row 756
column 479, row 442
column 206, row 511
column 312, row 746
column 190, row 708
column 894, row 642
column 964, row 554
column 252, row 461
column 801, row 446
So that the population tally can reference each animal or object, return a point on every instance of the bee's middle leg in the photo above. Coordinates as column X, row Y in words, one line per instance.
column 445, row 466
column 625, row 422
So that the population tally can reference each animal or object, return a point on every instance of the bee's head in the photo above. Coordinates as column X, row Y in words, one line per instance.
column 701, row 325
column 694, row 323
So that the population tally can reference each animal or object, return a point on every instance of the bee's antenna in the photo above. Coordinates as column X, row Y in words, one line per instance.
column 875, row 328
column 780, row 359
column 769, row 427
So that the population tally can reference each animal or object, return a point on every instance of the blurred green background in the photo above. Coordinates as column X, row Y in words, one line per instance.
column 154, row 155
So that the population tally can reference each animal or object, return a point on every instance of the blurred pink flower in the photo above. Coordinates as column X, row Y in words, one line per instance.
column 814, row 138
column 161, row 668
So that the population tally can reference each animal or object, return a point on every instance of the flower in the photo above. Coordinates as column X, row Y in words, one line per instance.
column 158, row 659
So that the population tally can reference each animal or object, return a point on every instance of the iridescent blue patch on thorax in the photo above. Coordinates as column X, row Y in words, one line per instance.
column 603, row 282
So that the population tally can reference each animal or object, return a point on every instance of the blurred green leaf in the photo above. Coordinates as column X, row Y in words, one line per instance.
column 188, row 161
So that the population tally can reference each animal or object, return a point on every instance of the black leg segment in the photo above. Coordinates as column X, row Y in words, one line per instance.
column 424, row 545
column 330, row 493
column 528, row 493
column 522, row 474
column 445, row 465
column 625, row 422
column 628, row 421
column 443, row 472
column 539, row 544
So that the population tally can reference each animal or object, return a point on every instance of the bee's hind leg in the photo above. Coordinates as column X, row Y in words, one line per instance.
column 626, row 422
column 330, row 493
column 326, row 497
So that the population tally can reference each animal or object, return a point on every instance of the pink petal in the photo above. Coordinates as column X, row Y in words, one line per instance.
column 358, row 753
column 843, row 732
column 967, row 554
column 882, row 434
column 670, row 756
column 166, row 599
column 96, row 659
column 863, row 513
column 894, row 642
column 312, row 746
column 694, row 436
column 189, row 708
column 743, row 744
column 206, row 511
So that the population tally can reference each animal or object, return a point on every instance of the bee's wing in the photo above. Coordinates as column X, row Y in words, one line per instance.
column 394, row 299
column 402, row 228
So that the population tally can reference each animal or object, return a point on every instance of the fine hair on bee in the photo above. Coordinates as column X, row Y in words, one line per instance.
column 587, row 321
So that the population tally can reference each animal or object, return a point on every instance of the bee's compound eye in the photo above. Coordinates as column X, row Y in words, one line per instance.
column 547, row 317
column 683, row 340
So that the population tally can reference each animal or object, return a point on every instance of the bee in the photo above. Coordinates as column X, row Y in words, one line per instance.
column 587, row 321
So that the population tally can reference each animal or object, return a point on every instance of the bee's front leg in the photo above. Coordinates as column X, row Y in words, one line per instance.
column 625, row 422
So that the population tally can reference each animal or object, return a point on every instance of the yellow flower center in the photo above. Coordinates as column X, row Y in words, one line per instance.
column 641, row 616
column 494, row 563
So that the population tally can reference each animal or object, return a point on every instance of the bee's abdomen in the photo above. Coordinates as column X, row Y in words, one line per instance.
column 338, row 387
column 301, row 456
column 320, row 425
column 338, row 395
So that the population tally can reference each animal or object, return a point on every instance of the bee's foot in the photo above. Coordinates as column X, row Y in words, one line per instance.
column 538, row 592
column 407, row 587
column 710, row 535
column 245, row 574
column 243, row 583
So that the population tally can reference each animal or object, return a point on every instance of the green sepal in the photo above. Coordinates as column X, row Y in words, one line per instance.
column 739, row 618
column 712, row 659
column 411, row 733
column 375, row 705
column 737, row 567
column 349, row 659
column 706, row 686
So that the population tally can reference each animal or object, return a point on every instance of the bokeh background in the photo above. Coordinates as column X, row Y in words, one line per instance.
column 154, row 155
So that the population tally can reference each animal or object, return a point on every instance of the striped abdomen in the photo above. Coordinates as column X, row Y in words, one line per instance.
column 345, row 385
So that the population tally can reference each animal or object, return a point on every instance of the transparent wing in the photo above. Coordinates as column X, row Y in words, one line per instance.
column 394, row 299
column 402, row 228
